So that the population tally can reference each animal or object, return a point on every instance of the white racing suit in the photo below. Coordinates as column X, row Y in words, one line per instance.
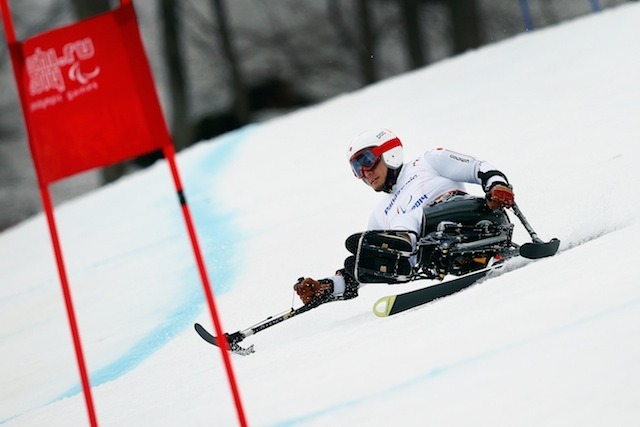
column 422, row 182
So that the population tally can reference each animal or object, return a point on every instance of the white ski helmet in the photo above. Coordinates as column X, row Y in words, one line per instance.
column 383, row 143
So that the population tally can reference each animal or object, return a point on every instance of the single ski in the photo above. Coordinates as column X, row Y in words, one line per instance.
column 393, row 304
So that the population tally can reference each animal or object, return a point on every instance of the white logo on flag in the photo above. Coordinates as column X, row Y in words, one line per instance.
column 44, row 67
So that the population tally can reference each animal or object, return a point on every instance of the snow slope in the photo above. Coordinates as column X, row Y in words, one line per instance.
column 554, row 343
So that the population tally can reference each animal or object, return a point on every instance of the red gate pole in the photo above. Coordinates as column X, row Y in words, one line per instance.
column 8, row 22
column 48, row 208
column 169, row 154
column 82, row 367
column 45, row 176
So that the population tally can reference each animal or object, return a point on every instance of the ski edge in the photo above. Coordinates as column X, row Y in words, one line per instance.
column 393, row 304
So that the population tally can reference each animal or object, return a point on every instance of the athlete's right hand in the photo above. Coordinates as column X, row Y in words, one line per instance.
column 310, row 290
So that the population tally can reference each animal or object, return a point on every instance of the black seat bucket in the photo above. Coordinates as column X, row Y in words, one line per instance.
column 467, row 210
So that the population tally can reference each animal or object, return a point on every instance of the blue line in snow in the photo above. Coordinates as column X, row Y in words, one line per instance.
column 209, row 224
column 218, row 244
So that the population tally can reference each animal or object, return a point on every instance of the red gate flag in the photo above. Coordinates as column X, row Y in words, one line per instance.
column 89, row 101
column 89, row 96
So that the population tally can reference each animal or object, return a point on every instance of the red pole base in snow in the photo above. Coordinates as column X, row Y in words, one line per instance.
column 82, row 367
column 169, row 154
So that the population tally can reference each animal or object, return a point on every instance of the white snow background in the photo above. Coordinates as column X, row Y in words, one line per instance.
column 554, row 343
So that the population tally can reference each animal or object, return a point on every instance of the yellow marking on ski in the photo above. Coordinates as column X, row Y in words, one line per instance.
column 383, row 306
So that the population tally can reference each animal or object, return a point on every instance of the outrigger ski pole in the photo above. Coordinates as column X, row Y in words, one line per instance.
column 538, row 248
column 236, row 337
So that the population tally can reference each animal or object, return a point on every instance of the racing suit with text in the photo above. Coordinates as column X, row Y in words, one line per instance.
column 422, row 182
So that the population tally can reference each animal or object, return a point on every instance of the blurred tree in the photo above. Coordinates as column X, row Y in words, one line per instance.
column 548, row 12
column 173, row 57
column 346, row 41
column 465, row 25
column 414, row 44
column 359, row 41
column 4, row 55
column 367, row 50
column 283, row 49
column 5, row 103
column 238, row 85
column 89, row 8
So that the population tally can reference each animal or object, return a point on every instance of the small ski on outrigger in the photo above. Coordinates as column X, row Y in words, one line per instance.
column 235, row 338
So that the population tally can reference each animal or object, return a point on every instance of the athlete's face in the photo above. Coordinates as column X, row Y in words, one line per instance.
column 376, row 177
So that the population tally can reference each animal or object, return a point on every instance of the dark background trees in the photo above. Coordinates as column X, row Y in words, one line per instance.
column 220, row 64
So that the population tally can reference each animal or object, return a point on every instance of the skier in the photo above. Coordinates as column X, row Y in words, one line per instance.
column 376, row 157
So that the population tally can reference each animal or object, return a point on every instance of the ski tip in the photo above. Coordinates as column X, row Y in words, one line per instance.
column 383, row 306
column 540, row 250
column 204, row 334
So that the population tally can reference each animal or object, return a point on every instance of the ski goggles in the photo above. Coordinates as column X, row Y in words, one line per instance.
column 368, row 158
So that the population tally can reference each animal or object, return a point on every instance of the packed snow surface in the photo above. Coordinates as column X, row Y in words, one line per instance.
column 553, row 343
